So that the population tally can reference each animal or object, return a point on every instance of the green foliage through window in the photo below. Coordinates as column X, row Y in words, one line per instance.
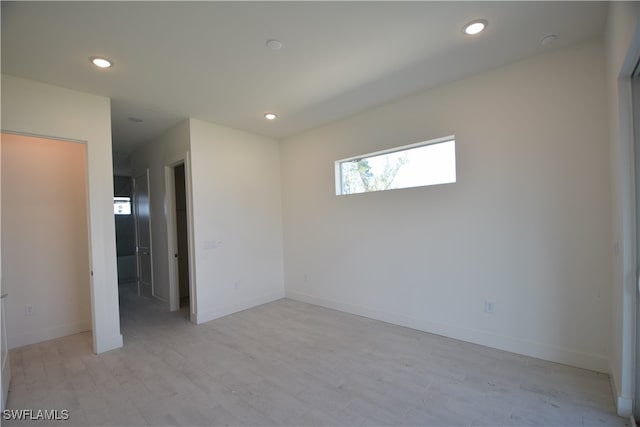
column 426, row 163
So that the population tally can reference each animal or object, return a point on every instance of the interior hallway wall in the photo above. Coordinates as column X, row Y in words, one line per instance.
column 237, row 219
column 168, row 148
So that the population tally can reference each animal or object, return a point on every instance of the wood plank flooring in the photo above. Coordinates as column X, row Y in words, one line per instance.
column 293, row 364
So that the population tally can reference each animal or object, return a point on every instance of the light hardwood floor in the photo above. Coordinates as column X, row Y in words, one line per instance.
column 293, row 364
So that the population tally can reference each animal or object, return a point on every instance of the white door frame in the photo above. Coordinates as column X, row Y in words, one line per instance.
column 172, row 238
column 97, row 348
column 629, row 243
column 635, row 107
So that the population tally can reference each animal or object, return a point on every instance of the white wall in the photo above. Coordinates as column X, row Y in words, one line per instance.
column 237, row 219
column 167, row 149
column 527, row 225
column 45, row 227
column 623, row 27
column 39, row 109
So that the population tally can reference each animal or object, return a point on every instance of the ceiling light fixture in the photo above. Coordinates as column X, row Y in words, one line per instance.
column 270, row 116
column 274, row 44
column 475, row 27
column 548, row 39
column 101, row 62
column 135, row 119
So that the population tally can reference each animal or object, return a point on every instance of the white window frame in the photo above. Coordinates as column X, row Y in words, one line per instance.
column 338, row 163
column 122, row 199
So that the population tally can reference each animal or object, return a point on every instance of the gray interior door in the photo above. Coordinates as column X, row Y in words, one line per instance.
column 143, row 234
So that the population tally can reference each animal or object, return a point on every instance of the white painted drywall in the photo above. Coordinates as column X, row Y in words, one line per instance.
column 237, row 219
column 623, row 25
column 34, row 108
column 527, row 226
column 168, row 148
column 45, row 226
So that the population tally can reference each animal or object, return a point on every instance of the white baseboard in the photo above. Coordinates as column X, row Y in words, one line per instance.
column 161, row 299
column 624, row 406
column 33, row 337
column 202, row 317
column 551, row 353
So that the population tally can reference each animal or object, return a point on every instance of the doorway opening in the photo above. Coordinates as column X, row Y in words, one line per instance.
column 46, row 264
column 181, row 293
column 182, row 241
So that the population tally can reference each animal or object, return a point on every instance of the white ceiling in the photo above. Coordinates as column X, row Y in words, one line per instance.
column 209, row 60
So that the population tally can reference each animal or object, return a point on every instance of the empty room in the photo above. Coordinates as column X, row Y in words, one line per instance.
column 320, row 213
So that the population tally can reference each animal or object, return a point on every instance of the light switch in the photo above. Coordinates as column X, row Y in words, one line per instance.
column 211, row 244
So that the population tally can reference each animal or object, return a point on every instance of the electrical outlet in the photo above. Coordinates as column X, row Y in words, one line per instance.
column 489, row 307
column 28, row 310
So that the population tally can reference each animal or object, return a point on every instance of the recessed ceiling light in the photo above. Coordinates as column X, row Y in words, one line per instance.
column 270, row 116
column 548, row 39
column 101, row 62
column 274, row 44
column 135, row 119
column 475, row 27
